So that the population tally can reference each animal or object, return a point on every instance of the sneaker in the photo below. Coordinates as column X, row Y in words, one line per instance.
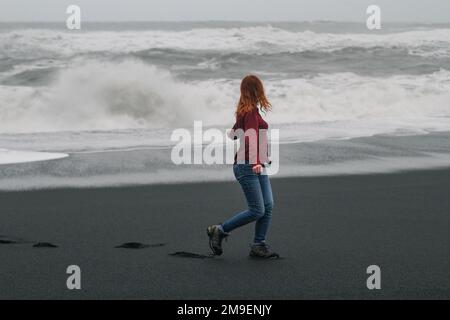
column 216, row 236
column 262, row 251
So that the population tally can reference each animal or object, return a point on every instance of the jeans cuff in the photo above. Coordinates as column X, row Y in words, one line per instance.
column 259, row 243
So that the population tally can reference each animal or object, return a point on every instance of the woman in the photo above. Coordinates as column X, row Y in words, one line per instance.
column 249, row 171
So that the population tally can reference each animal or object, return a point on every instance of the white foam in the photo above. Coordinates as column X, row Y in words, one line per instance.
column 223, row 173
column 13, row 156
column 109, row 96
column 262, row 39
column 94, row 95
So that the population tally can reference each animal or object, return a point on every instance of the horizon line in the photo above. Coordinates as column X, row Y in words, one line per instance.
column 223, row 20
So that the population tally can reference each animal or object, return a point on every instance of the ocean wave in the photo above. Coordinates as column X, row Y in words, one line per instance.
column 43, row 43
column 99, row 95
column 204, row 65
column 373, row 61
column 96, row 95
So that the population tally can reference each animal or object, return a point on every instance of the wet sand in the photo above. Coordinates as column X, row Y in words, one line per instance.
column 328, row 230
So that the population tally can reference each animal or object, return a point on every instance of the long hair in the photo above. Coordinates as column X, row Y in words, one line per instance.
column 252, row 95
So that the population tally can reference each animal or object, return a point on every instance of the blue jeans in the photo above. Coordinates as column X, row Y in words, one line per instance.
column 258, row 194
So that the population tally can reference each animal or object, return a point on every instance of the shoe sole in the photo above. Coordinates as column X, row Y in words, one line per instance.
column 253, row 256
column 215, row 251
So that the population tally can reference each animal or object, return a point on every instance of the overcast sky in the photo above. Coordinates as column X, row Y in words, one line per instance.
column 250, row 10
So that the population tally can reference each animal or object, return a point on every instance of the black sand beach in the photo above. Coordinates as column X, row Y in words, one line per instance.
column 328, row 229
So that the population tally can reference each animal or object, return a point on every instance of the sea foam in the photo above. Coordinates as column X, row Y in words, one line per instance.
column 13, row 156
column 35, row 43
column 99, row 95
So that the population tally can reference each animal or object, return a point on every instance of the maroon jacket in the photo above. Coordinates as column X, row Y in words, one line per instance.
column 254, row 149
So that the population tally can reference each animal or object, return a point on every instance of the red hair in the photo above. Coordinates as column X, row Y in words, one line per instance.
column 252, row 95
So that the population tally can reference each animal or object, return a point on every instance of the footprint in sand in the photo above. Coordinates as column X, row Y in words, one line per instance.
column 138, row 245
column 183, row 254
column 45, row 245
column 3, row 241
column 10, row 240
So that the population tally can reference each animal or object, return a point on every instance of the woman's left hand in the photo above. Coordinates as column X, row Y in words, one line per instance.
column 257, row 169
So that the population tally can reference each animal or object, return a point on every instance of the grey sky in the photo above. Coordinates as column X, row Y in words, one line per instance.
column 251, row 10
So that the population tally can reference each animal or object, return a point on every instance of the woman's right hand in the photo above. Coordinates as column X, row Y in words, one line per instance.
column 257, row 169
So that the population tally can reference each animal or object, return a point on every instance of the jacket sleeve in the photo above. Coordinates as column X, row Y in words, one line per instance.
column 251, row 121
